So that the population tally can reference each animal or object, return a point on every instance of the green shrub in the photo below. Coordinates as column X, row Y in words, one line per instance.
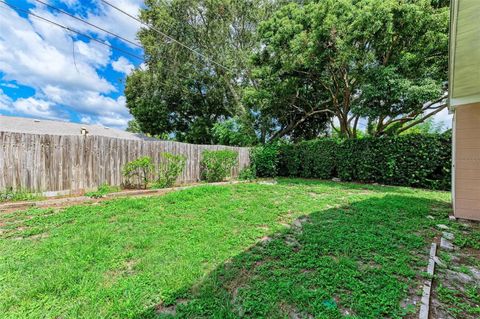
column 103, row 190
column 170, row 169
column 217, row 165
column 409, row 160
column 310, row 159
column 15, row 195
column 137, row 172
column 265, row 160
column 247, row 174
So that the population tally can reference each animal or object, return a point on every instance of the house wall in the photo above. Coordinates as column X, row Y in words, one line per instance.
column 467, row 162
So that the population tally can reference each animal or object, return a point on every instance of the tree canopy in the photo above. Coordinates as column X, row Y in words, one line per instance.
column 186, row 92
column 289, row 69
column 381, row 60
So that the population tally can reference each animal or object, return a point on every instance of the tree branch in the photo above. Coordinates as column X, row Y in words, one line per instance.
column 421, row 120
column 294, row 124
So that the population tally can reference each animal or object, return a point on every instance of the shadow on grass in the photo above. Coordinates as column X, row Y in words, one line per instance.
column 356, row 261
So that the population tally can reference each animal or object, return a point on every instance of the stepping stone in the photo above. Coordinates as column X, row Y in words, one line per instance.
column 448, row 235
column 268, row 182
column 297, row 223
column 445, row 244
column 265, row 239
column 475, row 272
column 442, row 226
column 300, row 221
column 439, row 262
column 459, row 277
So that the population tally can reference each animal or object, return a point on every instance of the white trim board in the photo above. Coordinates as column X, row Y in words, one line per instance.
column 454, row 102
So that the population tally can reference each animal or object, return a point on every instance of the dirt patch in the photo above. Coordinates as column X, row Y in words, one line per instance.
column 368, row 265
column 298, row 223
column 287, row 216
column 39, row 236
column 313, row 195
column 361, row 192
column 293, row 312
column 265, row 239
column 127, row 269
column 413, row 300
column 292, row 242
column 130, row 266
column 234, row 287
column 171, row 310
column 239, row 281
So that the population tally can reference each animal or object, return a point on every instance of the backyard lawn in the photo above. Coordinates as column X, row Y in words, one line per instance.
column 295, row 249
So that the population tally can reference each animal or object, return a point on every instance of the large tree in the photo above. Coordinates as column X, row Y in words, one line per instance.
column 351, row 59
column 186, row 91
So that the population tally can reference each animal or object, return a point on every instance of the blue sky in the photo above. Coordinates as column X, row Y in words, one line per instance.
column 48, row 72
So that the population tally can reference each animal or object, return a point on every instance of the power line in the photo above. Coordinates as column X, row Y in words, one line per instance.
column 82, row 34
column 72, row 30
column 90, row 24
column 165, row 35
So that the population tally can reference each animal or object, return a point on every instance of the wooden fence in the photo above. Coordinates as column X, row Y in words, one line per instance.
column 58, row 163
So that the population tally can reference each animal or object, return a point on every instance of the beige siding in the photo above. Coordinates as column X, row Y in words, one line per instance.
column 465, row 52
column 467, row 162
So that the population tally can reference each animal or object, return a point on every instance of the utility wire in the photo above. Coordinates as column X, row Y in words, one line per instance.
column 90, row 24
column 82, row 34
column 165, row 35
column 72, row 30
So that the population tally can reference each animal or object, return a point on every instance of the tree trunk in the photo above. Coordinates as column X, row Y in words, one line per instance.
column 344, row 127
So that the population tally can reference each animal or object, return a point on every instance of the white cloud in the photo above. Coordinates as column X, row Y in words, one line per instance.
column 122, row 65
column 64, row 72
column 36, row 107
column 96, row 55
column 109, row 17
column 31, row 107
column 86, row 101
column 33, row 59
column 444, row 117
column 86, row 119
column 113, row 121
column 5, row 102
column 70, row 3
column 9, row 85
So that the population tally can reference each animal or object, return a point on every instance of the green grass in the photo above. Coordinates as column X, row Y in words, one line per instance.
column 459, row 303
column 223, row 252
column 103, row 190
column 16, row 195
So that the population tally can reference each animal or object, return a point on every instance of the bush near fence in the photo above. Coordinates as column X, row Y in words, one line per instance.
column 217, row 165
column 409, row 160
column 71, row 163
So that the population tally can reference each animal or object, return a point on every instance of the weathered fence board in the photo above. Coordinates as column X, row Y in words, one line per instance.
column 56, row 163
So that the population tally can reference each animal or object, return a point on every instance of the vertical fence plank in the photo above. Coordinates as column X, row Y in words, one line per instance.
column 53, row 163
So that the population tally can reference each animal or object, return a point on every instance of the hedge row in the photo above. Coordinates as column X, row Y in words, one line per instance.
column 410, row 160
